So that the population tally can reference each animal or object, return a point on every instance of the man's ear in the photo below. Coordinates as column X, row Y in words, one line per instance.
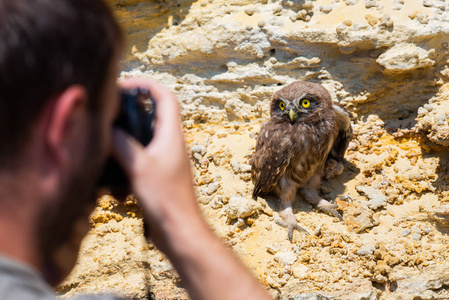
column 67, row 112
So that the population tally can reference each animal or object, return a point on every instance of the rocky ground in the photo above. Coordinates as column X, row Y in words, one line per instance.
column 385, row 61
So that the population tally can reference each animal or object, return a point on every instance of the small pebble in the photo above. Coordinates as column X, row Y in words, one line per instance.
column 370, row 3
column 422, row 111
column 406, row 232
column 308, row 5
column 428, row 107
column 364, row 251
column 241, row 207
column 285, row 258
column 245, row 168
column 188, row 124
column 416, row 229
column 296, row 249
column 204, row 200
column 416, row 237
column 245, row 176
column 427, row 230
column 211, row 188
column 301, row 14
column 351, row 2
column 414, row 176
column 216, row 203
column 235, row 166
column 325, row 8
column 200, row 149
column 249, row 11
column 277, row 9
column 371, row 19
column 376, row 198
column 272, row 249
column 197, row 156
column 317, row 230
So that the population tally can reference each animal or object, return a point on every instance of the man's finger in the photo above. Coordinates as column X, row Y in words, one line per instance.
column 126, row 149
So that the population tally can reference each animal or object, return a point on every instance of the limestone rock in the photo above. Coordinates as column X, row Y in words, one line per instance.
column 357, row 215
column 376, row 198
column 241, row 207
column 285, row 258
column 429, row 283
column 406, row 57
column 440, row 215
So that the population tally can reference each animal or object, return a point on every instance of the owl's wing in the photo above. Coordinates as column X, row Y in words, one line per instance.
column 344, row 133
column 270, row 160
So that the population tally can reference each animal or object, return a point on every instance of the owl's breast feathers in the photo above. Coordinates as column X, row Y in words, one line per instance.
column 297, row 150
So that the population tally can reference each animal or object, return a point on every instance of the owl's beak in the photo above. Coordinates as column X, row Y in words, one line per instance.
column 292, row 114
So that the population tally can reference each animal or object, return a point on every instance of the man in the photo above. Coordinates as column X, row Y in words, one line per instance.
column 58, row 99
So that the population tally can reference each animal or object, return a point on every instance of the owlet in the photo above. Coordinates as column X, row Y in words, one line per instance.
column 304, row 131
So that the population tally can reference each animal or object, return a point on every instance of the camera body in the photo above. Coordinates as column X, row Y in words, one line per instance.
column 137, row 117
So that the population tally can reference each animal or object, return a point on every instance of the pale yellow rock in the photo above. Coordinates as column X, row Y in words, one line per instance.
column 224, row 59
column 371, row 20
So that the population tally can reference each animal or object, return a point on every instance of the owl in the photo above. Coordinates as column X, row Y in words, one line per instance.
column 304, row 131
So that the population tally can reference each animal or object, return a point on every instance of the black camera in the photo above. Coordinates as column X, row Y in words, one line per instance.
column 137, row 117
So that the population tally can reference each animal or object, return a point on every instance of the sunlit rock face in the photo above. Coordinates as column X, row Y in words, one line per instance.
column 381, row 57
column 385, row 61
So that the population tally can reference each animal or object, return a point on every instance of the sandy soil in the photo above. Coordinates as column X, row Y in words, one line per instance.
column 391, row 221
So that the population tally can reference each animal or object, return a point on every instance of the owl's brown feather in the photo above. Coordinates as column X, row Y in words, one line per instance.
column 269, row 168
column 281, row 151
column 292, row 148
column 344, row 133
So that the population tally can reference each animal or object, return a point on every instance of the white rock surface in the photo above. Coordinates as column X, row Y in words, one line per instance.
column 376, row 198
column 285, row 258
column 241, row 207
column 406, row 57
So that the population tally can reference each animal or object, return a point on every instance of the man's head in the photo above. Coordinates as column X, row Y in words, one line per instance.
column 58, row 63
column 47, row 46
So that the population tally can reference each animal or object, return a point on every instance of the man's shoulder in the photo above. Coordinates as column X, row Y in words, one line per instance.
column 18, row 281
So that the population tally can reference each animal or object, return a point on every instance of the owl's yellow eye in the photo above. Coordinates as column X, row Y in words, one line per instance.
column 305, row 103
column 282, row 105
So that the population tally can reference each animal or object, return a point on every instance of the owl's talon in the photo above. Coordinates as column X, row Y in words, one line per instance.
column 290, row 233
column 280, row 223
column 346, row 198
column 329, row 208
column 291, row 228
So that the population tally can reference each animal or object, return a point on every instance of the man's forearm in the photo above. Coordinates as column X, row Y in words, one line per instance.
column 207, row 267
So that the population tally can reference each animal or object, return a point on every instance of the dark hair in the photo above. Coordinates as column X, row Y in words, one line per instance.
column 46, row 46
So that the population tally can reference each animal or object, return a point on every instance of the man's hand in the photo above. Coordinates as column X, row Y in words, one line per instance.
column 160, row 174
column 161, row 178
